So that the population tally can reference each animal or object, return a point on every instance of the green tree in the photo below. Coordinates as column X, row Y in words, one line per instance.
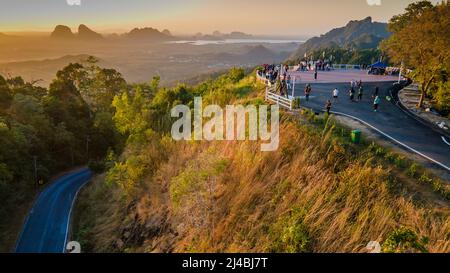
column 131, row 113
column 5, row 95
column 412, row 13
column 421, row 40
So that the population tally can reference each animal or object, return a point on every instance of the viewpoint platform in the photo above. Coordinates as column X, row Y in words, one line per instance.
column 339, row 76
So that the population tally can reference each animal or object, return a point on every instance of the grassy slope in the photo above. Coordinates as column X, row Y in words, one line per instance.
column 317, row 193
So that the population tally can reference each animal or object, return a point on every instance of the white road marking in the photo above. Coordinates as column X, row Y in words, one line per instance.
column 446, row 142
column 304, row 97
column 395, row 140
column 70, row 215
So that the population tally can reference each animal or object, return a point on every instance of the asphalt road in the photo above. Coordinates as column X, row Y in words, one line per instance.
column 47, row 226
column 389, row 119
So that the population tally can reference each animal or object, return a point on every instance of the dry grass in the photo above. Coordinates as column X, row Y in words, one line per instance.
column 261, row 198
column 315, row 194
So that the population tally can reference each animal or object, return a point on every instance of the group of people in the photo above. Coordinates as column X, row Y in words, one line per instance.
column 356, row 93
column 320, row 65
column 356, row 87
column 284, row 85
column 277, row 74
column 273, row 72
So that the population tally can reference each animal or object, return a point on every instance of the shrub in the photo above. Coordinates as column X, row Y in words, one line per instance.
column 404, row 240
column 291, row 234
column 412, row 170
column 296, row 103
column 425, row 179
column 400, row 162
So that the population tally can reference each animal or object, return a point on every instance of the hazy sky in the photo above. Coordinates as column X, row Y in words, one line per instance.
column 288, row 17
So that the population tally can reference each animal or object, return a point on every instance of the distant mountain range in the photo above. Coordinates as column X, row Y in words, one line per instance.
column 6, row 36
column 62, row 32
column 84, row 33
column 44, row 69
column 362, row 34
column 149, row 33
column 217, row 35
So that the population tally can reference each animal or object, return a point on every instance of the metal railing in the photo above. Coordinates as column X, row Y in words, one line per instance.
column 347, row 66
column 273, row 97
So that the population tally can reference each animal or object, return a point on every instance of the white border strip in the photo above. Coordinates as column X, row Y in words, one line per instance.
column 39, row 194
column 446, row 142
column 70, row 212
column 396, row 141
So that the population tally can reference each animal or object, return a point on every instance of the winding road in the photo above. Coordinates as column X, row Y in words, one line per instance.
column 46, row 229
column 390, row 120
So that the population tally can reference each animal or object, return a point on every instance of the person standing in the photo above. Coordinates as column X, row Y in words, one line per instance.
column 307, row 91
column 359, row 83
column 289, row 82
column 360, row 93
column 335, row 94
column 328, row 107
column 352, row 94
column 376, row 103
column 315, row 74
column 375, row 93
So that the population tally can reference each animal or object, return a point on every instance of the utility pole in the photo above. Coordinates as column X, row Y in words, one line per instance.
column 400, row 73
column 293, row 88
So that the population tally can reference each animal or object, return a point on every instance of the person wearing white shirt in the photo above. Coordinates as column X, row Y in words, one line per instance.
column 335, row 94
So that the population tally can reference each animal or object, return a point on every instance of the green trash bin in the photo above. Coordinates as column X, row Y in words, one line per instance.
column 356, row 136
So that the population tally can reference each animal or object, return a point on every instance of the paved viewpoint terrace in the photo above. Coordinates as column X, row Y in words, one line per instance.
column 390, row 121
column 339, row 76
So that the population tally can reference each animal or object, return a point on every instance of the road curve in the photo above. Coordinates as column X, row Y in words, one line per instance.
column 47, row 225
column 390, row 120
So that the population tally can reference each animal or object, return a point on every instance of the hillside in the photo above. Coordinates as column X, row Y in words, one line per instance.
column 149, row 34
column 43, row 70
column 363, row 34
column 5, row 36
column 86, row 33
column 316, row 193
column 62, row 32
column 49, row 125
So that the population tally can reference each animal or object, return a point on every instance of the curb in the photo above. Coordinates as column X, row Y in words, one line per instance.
column 396, row 101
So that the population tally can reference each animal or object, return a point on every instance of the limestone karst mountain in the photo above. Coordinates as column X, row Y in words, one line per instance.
column 149, row 34
column 363, row 34
column 86, row 33
column 62, row 32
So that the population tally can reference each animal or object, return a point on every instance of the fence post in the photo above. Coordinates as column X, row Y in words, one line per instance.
column 293, row 88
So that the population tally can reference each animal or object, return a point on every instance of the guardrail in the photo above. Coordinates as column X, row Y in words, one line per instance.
column 273, row 97
column 347, row 66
